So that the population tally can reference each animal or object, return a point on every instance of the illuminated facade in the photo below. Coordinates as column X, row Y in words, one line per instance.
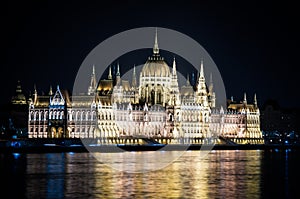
column 156, row 108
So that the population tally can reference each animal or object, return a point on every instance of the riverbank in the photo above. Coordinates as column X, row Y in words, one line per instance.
column 76, row 145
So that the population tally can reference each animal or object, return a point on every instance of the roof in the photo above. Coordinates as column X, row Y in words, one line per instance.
column 155, row 67
column 105, row 84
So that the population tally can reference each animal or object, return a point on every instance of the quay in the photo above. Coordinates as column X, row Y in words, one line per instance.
column 47, row 145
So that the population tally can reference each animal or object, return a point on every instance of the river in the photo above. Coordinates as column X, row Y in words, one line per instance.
column 217, row 174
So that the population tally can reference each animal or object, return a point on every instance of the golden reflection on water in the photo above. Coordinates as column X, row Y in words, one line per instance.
column 219, row 174
column 181, row 179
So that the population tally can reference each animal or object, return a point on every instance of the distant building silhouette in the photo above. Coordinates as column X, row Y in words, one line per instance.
column 276, row 118
column 280, row 124
column 17, row 114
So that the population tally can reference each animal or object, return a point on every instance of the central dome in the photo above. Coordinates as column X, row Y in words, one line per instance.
column 156, row 66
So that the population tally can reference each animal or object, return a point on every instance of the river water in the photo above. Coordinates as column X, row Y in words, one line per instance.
column 218, row 174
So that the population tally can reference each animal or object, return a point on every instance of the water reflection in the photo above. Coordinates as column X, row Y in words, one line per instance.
column 280, row 174
column 234, row 174
column 220, row 174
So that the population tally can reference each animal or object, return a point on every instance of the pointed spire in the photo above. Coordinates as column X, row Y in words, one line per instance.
column 50, row 91
column 255, row 100
column 118, row 76
column 118, row 70
column 93, row 84
column 202, row 96
column 174, row 66
column 245, row 99
column 93, row 78
column 134, row 77
column 155, row 48
column 34, row 88
column 34, row 94
column 109, row 73
column 174, row 81
column 188, row 80
column 211, row 85
column 201, row 69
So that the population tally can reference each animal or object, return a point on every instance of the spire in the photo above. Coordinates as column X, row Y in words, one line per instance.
column 93, row 78
column 155, row 48
column 201, row 69
column 109, row 73
column 188, row 80
column 174, row 67
column 134, row 77
column 118, row 70
column 211, row 85
column 245, row 99
column 34, row 94
column 50, row 91
column 34, row 88
column 201, row 88
column 255, row 100
column 93, row 84
column 118, row 76
column 174, row 86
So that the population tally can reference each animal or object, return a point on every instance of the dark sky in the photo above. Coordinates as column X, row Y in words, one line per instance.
column 254, row 44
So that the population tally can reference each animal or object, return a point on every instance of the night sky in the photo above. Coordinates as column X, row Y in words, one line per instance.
column 254, row 44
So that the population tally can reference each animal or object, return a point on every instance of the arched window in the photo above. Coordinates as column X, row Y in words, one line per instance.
column 34, row 117
column 81, row 116
column 45, row 115
column 87, row 117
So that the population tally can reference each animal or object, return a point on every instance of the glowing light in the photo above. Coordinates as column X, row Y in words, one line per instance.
column 49, row 144
column 16, row 155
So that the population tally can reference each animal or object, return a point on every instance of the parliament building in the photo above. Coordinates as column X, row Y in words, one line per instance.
column 156, row 107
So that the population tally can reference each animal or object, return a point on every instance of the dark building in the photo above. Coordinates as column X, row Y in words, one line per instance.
column 14, row 115
column 279, row 122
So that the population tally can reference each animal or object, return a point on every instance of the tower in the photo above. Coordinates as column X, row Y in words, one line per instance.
column 93, row 83
column 118, row 88
column 175, row 94
column 57, row 115
column 109, row 73
column 201, row 92
column 155, row 47
column 211, row 93
column 133, row 82
column 118, row 76
column 155, row 79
